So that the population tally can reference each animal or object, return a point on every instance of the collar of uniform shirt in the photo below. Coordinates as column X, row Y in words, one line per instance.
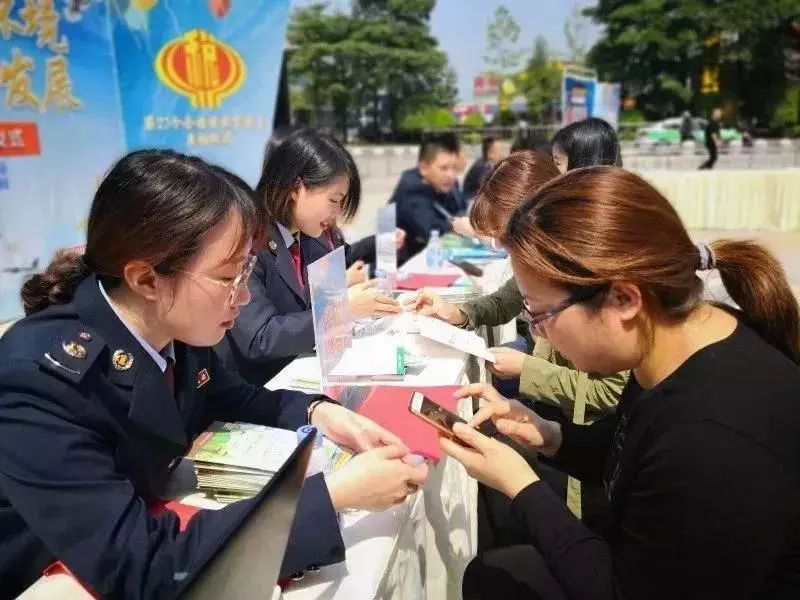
column 161, row 358
column 287, row 236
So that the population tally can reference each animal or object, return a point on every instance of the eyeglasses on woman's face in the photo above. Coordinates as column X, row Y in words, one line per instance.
column 234, row 285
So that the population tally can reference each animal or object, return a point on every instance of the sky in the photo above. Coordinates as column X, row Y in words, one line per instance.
column 460, row 26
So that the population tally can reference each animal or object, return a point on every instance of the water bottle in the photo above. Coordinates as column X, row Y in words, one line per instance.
column 318, row 462
column 433, row 255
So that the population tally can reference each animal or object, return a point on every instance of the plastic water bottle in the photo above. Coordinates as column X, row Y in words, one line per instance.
column 433, row 255
column 318, row 462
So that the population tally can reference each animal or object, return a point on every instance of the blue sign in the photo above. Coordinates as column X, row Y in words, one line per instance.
column 84, row 81
column 577, row 98
column 201, row 77
column 60, row 130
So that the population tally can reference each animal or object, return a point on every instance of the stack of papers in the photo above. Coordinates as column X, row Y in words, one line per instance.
column 233, row 461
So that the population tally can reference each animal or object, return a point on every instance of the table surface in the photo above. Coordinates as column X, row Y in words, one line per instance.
column 371, row 538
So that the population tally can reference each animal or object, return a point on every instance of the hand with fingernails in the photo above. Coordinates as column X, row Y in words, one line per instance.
column 508, row 362
column 357, row 273
column 364, row 301
column 493, row 463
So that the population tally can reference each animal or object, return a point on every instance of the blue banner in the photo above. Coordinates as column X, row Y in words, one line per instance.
column 60, row 130
column 577, row 97
column 201, row 76
column 607, row 103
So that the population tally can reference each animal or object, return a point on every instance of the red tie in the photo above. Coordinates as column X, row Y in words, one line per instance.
column 297, row 261
column 169, row 373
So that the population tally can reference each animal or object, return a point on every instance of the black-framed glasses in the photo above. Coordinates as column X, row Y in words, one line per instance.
column 241, row 279
column 535, row 319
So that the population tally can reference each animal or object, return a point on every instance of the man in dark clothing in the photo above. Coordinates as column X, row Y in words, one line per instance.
column 427, row 195
column 491, row 153
column 712, row 139
column 687, row 127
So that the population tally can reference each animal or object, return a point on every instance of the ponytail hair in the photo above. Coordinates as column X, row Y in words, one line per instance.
column 593, row 226
column 153, row 205
column 57, row 284
column 756, row 282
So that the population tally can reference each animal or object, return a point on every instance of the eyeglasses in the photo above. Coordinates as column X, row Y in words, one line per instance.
column 535, row 319
column 241, row 279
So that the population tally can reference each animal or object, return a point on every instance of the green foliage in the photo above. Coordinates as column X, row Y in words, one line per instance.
column 428, row 117
column 502, row 42
column 658, row 48
column 348, row 61
column 787, row 113
column 631, row 116
column 541, row 81
column 507, row 118
column 474, row 121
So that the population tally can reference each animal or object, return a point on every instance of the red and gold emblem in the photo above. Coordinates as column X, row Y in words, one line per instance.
column 202, row 68
column 203, row 378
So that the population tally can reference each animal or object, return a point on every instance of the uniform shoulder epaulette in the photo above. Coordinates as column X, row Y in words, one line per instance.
column 72, row 353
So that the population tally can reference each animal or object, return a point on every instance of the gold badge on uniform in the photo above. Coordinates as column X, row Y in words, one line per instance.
column 203, row 378
column 74, row 349
column 122, row 360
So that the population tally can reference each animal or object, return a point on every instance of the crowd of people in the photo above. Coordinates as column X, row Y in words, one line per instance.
column 656, row 446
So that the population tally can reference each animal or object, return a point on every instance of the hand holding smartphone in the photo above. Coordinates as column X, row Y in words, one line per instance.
column 442, row 419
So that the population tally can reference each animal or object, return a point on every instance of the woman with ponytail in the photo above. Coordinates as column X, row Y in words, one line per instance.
column 110, row 378
column 701, row 462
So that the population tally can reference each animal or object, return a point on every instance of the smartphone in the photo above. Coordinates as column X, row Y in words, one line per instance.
column 442, row 419
column 467, row 267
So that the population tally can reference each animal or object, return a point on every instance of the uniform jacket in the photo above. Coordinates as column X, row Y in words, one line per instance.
column 276, row 326
column 88, row 431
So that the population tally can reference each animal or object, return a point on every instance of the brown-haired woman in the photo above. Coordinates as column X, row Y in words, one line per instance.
column 701, row 463
column 110, row 377
column 542, row 377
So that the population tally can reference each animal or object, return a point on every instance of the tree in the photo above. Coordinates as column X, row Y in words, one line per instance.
column 428, row 117
column 575, row 34
column 322, row 62
column 542, row 82
column 658, row 50
column 474, row 121
column 503, row 54
column 383, row 49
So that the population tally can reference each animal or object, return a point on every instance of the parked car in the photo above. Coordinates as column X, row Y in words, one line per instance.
column 668, row 132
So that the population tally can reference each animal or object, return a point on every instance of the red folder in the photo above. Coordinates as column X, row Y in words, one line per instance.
column 417, row 281
column 388, row 406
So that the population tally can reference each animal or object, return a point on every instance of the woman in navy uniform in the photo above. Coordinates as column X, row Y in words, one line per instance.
column 308, row 181
column 110, row 377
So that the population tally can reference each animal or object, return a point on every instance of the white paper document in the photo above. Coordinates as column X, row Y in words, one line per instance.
column 460, row 339
column 377, row 357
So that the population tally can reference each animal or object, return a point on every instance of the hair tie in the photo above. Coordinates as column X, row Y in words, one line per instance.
column 707, row 259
